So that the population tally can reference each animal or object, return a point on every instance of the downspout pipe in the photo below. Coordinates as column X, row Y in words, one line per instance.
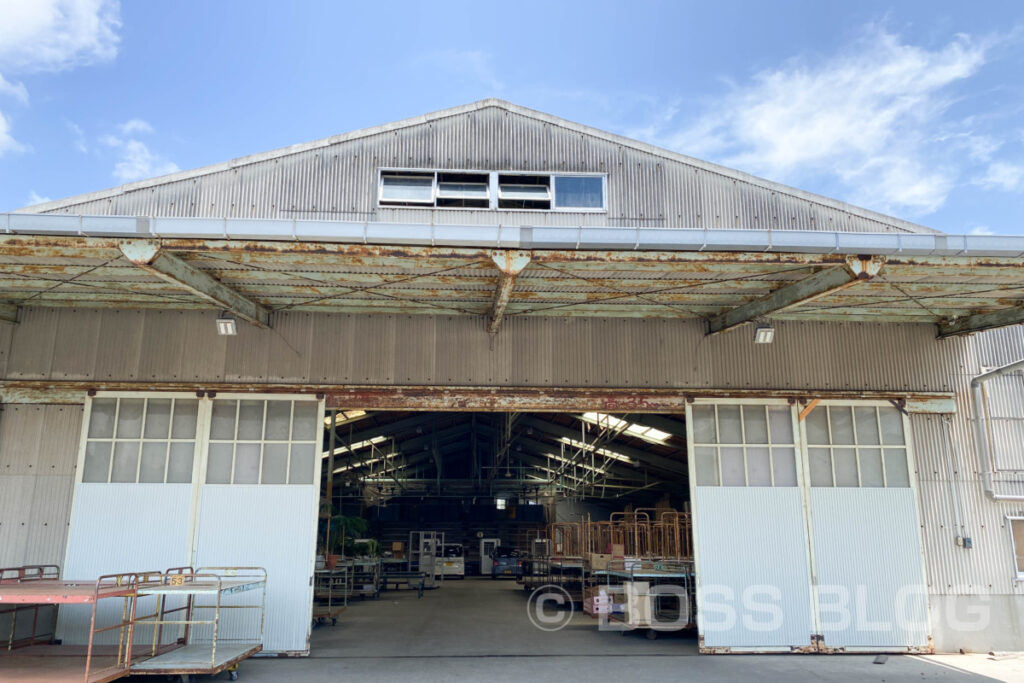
column 981, row 429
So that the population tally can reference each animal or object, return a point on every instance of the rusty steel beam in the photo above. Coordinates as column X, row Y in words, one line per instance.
column 824, row 282
column 107, row 247
column 148, row 255
column 8, row 313
column 510, row 264
column 429, row 398
column 978, row 322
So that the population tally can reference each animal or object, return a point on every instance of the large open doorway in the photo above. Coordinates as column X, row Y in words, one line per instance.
column 587, row 512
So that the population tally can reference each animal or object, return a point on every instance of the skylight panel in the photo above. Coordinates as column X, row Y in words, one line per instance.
column 358, row 445
column 640, row 431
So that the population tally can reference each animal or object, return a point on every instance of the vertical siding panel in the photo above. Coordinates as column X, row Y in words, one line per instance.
column 336, row 177
column 38, row 452
column 73, row 350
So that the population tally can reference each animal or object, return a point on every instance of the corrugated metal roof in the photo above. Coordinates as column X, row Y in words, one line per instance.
column 336, row 177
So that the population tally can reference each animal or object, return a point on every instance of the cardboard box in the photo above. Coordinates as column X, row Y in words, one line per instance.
column 599, row 561
column 397, row 546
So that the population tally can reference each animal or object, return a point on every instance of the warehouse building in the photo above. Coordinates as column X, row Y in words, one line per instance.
column 496, row 323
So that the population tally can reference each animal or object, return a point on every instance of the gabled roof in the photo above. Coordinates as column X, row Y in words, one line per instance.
column 863, row 219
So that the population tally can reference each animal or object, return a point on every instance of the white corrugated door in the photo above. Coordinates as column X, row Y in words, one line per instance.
column 870, row 587
column 132, row 507
column 167, row 480
column 259, row 503
column 750, row 538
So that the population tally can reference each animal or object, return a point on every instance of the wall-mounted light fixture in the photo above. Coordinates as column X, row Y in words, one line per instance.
column 226, row 324
column 764, row 334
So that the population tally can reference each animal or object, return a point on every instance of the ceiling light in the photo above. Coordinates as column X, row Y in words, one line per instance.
column 226, row 324
column 764, row 334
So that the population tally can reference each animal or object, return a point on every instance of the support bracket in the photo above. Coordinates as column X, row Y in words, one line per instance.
column 510, row 263
column 148, row 255
column 822, row 283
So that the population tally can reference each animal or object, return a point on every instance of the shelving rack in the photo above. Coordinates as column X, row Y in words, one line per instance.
column 568, row 573
column 364, row 577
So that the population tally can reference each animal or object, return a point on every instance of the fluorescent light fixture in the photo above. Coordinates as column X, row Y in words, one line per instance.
column 764, row 334
column 226, row 324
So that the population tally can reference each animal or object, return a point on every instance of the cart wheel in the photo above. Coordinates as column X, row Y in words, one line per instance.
column 233, row 675
column 652, row 634
column 334, row 621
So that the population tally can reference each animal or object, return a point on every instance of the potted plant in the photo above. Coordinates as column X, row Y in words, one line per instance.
column 337, row 533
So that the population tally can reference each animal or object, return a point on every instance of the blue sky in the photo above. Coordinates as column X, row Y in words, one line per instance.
column 913, row 108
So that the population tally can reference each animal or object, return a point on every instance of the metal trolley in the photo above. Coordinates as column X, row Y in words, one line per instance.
column 331, row 588
column 192, row 606
column 31, row 654
column 650, row 596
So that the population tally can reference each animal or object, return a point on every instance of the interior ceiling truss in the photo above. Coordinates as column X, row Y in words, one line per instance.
column 426, row 443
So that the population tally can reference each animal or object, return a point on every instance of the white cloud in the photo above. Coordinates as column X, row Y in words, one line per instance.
column 7, row 142
column 1003, row 176
column 135, row 160
column 135, row 127
column 51, row 35
column 79, row 141
column 15, row 90
column 981, row 230
column 34, row 199
column 472, row 66
column 861, row 116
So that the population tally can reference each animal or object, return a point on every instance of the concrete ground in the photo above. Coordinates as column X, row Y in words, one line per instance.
column 479, row 630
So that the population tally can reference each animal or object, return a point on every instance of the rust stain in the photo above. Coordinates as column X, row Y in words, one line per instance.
column 446, row 398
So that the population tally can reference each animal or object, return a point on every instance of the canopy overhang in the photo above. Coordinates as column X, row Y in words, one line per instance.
column 961, row 283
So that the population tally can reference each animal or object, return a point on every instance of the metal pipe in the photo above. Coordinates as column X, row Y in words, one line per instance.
column 981, row 430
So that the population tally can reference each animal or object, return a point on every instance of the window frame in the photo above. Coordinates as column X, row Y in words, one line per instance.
column 493, row 190
column 202, row 441
column 238, row 398
column 796, row 446
column 907, row 446
column 407, row 173
column 1018, row 570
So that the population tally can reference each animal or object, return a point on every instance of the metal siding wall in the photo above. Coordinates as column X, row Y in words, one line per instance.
column 273, row 527
column 338, row 180
column 6, row 333
column 385, row 349
column 740, row 546
column 868, row 563
column 38, row 453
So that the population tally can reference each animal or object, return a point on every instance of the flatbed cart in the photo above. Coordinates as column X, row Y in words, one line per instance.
column 364, row 577
column 644, row 607
column 192, row 604
column 34, row 657
column 393, row 580
column 331, row 588
column 568, row 573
